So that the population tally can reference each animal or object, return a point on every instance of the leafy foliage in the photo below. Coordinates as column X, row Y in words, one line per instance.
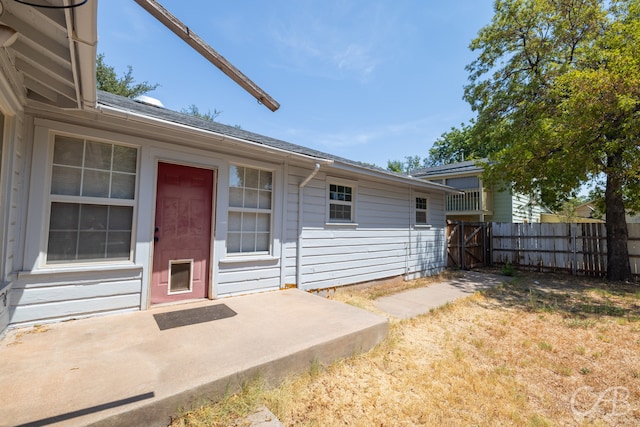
column 556, row 86
column 108, row 80
column 410, row 164
column 195, row 111
column 457, row 145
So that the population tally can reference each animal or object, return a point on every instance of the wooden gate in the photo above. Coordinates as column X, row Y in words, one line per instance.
column 468, row 244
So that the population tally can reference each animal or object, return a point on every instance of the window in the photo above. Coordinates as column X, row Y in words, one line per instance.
column 341, row 202
column 250, row 201
column 421, row 211
column 92, row 197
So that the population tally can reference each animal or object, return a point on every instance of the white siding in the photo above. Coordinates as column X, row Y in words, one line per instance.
column 382, row 244
column 38, row 298
column 12, row 194
column 524, row 210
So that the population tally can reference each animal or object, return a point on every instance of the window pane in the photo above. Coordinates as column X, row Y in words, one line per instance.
column 123, row 186
column 93, row 217
column 68, row 151
column 266, row 179
column 264, row 199
column 421, row 203
column 262, row 242
column 233, row 242
column 248, row 243
column 251, row 199
column 125, row 159
column 251, row 178
column 340, row 212
column 235, row 221
column 95, row 183
column 340, row 192
column 119, row 245
column 263, row 223
column 120, row 218
column 98, row 155
column 236, row 176
column 62, row 245
column 235, row 197
column 64, row 216
column 249, row 222
column 65, row 181
column 92, row 245
column 421, row 217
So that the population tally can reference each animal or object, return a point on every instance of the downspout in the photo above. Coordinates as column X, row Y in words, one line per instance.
column 316, row 169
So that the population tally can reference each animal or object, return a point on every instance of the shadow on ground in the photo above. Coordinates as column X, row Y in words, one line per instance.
column 571, row 297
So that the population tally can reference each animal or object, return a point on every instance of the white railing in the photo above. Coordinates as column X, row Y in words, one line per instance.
column 471, row 200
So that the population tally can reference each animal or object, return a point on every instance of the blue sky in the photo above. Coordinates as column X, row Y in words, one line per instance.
column 363, row 79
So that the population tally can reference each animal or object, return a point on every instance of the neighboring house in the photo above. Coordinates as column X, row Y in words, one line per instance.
column 585, row 212
column 111, row 205
column 477, row 201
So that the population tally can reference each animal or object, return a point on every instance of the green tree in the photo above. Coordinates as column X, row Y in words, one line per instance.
column 108, row 80
column 556, row 86
column 457, row 145
column 195, row 111
column 409, row 164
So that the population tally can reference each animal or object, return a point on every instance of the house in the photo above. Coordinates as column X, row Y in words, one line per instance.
column 479, row 203
column 110, row 205
column 585, row 212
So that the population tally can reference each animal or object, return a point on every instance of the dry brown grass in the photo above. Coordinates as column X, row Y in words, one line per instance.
column 554, row 352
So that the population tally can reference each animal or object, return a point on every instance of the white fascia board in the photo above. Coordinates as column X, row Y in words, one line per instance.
column 415, row 182
column 83, row 41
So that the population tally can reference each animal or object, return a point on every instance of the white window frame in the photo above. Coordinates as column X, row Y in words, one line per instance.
column 271, row 211
column 415, row 210
column 87, row 200
column 353, row 203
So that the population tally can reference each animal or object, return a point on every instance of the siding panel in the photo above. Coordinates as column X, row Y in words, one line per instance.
column 73, row 309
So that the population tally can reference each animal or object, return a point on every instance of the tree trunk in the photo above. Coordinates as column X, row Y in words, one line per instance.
column 618, row 266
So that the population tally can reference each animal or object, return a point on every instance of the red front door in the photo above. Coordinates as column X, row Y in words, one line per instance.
column 182, row 237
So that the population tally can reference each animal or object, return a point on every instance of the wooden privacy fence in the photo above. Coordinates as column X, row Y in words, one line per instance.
column 468, row 244
column 580, row 249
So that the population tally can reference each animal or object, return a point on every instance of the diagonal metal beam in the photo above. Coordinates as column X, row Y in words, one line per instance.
column 193, row 40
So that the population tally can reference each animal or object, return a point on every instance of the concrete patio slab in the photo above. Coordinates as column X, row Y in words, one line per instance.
column 123, row 370
column 415, row 302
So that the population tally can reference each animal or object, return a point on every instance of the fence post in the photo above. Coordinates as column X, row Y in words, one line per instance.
column 462, row 251
column 574, row 249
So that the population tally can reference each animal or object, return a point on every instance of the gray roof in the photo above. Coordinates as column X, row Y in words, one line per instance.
column 123, row 103
column 469, row 166
column 129, row 105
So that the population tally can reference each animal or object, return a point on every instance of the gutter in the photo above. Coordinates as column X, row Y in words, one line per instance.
column 303, row 184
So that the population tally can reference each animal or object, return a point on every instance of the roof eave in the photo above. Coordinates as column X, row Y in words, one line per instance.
column 387, row 176
column 83, row 40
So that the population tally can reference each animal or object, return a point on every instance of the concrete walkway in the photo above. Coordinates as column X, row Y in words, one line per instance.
column 415, row 302
column 123, row 370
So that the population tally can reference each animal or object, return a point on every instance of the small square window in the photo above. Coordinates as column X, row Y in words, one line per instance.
column 341, row 206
